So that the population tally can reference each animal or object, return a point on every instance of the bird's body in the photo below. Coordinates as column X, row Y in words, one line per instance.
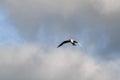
column 73, row 42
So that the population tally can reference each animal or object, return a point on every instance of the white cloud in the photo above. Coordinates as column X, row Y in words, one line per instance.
column 111, row 6
column 28, row 62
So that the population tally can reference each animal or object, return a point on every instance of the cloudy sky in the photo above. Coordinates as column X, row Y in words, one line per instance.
column 30, row 31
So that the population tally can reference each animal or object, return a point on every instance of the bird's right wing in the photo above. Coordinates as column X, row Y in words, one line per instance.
column 75, row 42
column 63, row 43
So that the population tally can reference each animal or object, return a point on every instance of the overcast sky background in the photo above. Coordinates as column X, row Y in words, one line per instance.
column 30, row 31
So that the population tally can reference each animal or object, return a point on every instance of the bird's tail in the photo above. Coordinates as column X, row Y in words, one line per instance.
column 80, row 44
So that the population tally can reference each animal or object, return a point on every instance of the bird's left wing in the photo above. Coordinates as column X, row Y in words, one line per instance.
column 63, row 43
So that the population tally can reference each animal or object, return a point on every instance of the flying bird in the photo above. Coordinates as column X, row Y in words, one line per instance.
column 73, row 42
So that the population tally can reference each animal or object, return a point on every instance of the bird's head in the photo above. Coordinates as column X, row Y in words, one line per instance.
column 71, row 40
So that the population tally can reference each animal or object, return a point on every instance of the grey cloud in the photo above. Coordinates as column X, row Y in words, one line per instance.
column 66, row 16
column 28, row 62
column 94, row 22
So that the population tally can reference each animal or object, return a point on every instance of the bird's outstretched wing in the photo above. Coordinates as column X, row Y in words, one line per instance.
column 67, row 41
column 75, row 42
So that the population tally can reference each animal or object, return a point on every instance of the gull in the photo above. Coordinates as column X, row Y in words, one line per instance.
column 73, row 42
